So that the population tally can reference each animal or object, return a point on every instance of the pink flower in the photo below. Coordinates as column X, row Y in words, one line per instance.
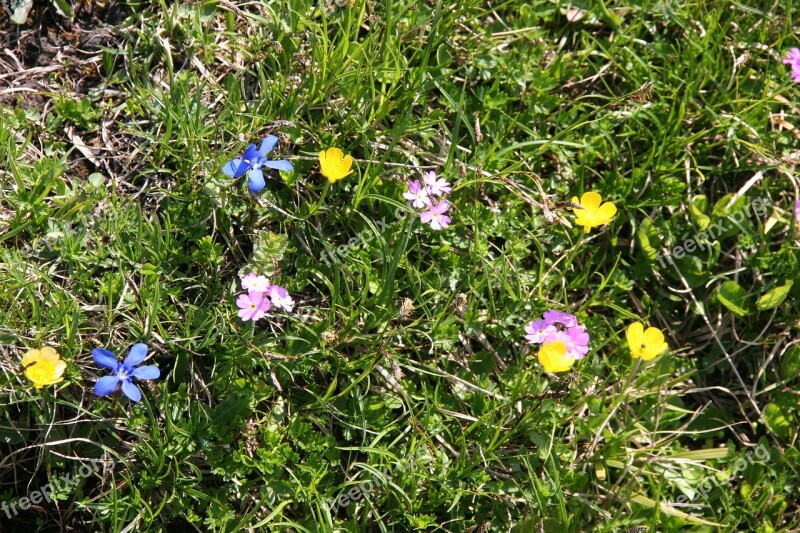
column 280, row 298
column 436, row 215
column 254, row 282
column 538, row 332
column 417, row 194
column 557, row 317
column 436, row 186
column 578, row 343
column 252, row 306
column 797, row 211
column 793, row 59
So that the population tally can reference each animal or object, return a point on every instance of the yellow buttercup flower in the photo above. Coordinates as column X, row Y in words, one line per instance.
column 553, row 357
column 334, row 165
column 645, row 343
column 593, row 214
column 44, row 367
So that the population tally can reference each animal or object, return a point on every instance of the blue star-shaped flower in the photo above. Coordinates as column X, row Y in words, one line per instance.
column 253, row 160
column 123, row 372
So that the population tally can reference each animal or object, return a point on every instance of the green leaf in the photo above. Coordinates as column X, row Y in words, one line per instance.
column 233, row 411
column 647, row 237
column 149, row 269
column 790, row 363
column 697, row 211
column 96, row 180
column 775, row 297
column 734, row 297
column 63, row 8
column 777, row 421
column 268, row 250
column 10, row 437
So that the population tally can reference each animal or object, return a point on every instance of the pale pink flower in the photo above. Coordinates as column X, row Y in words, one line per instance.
column 435, row 186
column 254, row 282
column 280, row 298
column 417, row 194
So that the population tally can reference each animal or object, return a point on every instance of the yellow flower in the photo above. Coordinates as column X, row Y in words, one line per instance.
column 553, row 357
column 593, row 214
column 334, row 164
column 44, row 367
column 645, row 343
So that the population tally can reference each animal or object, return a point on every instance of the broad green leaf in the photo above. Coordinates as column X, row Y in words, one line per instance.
column 777, row 421
column 734, row 297
column 721, row 208
column 790, row 363
column 96, row 180
column 10, row 437
column 774, row 297
column 647, row 237
column 697, row 211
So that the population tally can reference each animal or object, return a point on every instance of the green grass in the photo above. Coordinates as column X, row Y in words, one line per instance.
column 405, row 360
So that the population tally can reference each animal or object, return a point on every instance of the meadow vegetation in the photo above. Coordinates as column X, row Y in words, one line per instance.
column 333, row 348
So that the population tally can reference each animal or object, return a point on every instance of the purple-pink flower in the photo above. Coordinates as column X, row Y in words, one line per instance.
column 417, row 194
column 435, row 215
column 427, row 194
column 557, row 317
column 539, row 331
column 577, row 342
column 793, row 59
column 252, row 306
column 261, row 297
column 797, row 211
column 557, row 326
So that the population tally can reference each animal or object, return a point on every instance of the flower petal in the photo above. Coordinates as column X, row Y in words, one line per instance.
column 255, row 180
column 243, row 302
column 147, row 372
column 347, row 163
column 267, row 145
column 590, row 199
column 49, row 354
column 31, row 356
column 235, row 168
column 280, row 164
column 136, row 355
column 131, row 391
column 250, row 154
column 104, row 358
column 607, row 210
column 634, row 335
column 106, row 385
column 653, row 336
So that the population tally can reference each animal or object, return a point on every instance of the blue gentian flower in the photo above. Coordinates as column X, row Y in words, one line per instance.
column 253, row 160
column 123, row 372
